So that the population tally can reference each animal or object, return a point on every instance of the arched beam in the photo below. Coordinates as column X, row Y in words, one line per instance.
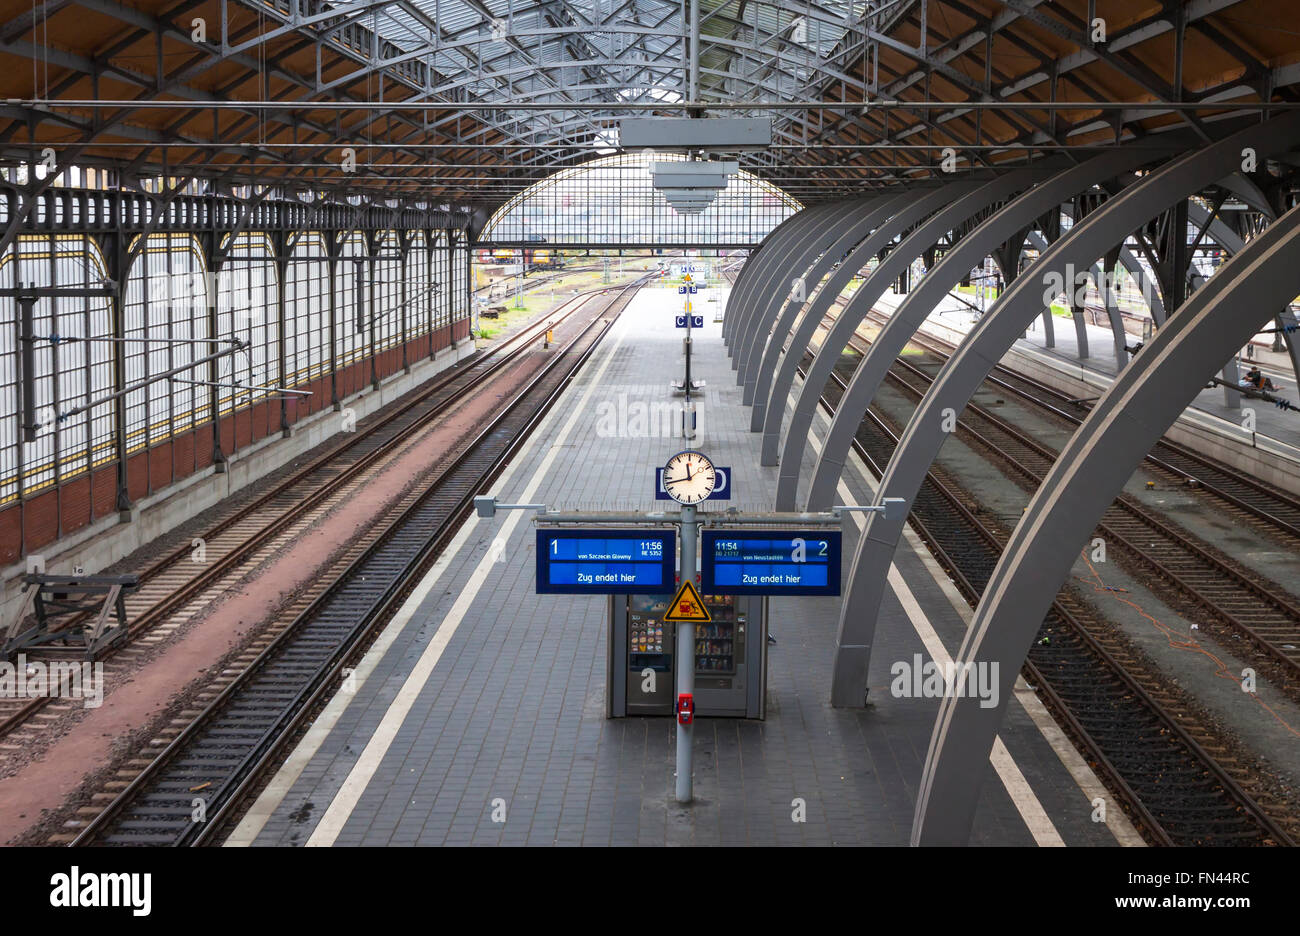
column 1092, row 469
column 851, row 254
column 772, row 285
column 854, row 230
column 960, row 207
column 985, row 345
column 759, row 266
column 984, row 240
column 755, row 262
column 771, row 392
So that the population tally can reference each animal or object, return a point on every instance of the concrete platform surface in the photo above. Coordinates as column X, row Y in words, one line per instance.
column 478, row 717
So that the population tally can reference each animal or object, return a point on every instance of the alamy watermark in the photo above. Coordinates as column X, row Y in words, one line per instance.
column 1075, row 282
column 59, row 679
column 627, row 417
column 77, row 888
column 918, row 679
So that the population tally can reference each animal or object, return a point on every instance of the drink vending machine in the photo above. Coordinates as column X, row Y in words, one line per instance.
column 730, row 657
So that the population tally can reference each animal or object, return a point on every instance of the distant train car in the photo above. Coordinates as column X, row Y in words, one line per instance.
column 544, row 259
column 504, row 255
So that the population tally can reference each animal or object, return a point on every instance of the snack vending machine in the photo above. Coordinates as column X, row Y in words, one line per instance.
column 730, row 657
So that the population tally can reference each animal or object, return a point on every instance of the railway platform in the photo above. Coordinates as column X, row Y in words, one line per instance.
column 478, row 715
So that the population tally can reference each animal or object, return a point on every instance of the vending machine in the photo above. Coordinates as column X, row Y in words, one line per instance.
column 730, row 657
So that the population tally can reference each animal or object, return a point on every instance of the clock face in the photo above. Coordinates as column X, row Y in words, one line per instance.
column 689, row 477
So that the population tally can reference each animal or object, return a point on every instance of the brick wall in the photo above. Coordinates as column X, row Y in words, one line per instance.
column 58, row 511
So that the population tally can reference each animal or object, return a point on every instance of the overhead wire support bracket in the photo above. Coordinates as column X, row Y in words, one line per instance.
column 28, row 402
column 247, row 388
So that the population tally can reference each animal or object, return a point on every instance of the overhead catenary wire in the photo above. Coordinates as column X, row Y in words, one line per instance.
column 683, row 107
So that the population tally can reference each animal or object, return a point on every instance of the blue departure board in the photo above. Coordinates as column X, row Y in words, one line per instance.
column 770, row 562
column 606, row 562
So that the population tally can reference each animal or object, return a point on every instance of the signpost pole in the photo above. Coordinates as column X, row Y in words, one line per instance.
column 689, row 313
column 686, row 657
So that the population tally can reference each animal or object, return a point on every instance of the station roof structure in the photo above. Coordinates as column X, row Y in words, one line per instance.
column 471, row 101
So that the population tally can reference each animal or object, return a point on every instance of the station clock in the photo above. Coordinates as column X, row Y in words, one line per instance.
column 689, row 477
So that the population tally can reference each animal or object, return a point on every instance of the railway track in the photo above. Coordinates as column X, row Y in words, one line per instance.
column 174, row 588
column 1246, row 603
column 1148, row 744
column 1177, row 777
column 538, row 282
column 1275, row 511
column 222, row 750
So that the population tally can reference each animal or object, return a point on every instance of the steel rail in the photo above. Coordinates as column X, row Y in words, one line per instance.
column 302, row 703
column 1092, row 747
column 500, row 358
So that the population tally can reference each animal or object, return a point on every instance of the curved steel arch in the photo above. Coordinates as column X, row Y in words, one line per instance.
column 747, row 270
column 766, row 286
column 836, row 219
column 937, row 283
column 871, row 231
column 758, row 264
column 772, row 390
column 964, row 205
column 1091, row 470
column 995, row 333
column 1138, row 273
column 774, row 289
column 852, row 230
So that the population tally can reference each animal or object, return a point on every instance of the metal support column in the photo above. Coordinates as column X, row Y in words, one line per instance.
column 838, row 264
column 686, row 658
column 332, row 261
column 1091, row 470
column 957, row 204
column 999, row 329
column 278, row 240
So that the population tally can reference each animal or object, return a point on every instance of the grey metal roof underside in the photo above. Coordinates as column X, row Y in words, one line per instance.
column 472, row 100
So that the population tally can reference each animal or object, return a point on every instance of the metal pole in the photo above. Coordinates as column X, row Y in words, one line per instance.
column 27, row 358
column 695, row 51
column 688, row 357
column 686, row 658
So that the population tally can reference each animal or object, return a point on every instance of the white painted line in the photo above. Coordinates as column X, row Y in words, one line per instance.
column 1035, row 817
column 345, row 801
column 273, row 795
column 275, row 792
column 1117, row 823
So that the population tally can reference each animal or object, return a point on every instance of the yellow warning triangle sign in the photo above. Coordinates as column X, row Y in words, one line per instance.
column 687, row 607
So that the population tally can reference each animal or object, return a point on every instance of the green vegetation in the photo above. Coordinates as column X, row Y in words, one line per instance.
column 989, row 293
column 540, row 297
